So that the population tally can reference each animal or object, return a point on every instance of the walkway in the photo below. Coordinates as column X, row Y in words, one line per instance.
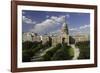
column 76, row 52
column 39, row 54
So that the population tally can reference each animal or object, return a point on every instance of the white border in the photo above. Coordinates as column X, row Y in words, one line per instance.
column 52, row 63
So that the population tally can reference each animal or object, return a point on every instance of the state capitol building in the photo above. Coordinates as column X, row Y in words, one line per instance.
column 63, row 37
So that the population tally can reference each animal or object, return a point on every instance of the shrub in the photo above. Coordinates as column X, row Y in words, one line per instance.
column 65, row 53
column 50, row 53
column 84, row 49
column 29, row 49
column 26, row 55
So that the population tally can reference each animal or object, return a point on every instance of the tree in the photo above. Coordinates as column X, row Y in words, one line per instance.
column 65, row 53
column 84, row 49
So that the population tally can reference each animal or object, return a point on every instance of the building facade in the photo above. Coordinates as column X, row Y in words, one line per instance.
column 64, row 37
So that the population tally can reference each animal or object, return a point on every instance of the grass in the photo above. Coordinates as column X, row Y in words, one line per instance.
column 59, row 52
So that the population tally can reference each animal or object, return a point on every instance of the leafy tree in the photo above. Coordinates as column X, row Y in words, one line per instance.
column 50, row 53
column 65, row 53
column 84, row 49
column 29, row 49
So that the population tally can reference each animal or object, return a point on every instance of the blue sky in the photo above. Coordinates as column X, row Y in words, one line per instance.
column 44, row 22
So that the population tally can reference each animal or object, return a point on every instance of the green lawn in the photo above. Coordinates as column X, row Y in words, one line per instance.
column 59, row 52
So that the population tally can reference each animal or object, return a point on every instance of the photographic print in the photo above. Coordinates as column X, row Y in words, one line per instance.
column 49, row 37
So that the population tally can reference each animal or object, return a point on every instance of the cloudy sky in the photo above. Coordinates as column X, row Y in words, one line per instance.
column 49, row 22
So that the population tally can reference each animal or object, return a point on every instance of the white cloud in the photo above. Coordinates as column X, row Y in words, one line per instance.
column 67, row 15
column 28, row 20
column 73, row 29
column 47, row 16
column 54, row 18
column 59, row 19
column 48, row 24
column 85, row 26
column 55, row 32
column 81, row 29
column 44, row 26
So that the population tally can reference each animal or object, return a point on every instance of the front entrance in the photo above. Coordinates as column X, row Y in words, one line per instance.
column 72, row 40
column 63, row 40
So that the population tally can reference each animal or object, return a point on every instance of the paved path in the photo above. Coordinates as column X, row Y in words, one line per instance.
column 76, row 52
column 45, row 51
column 38, row 55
